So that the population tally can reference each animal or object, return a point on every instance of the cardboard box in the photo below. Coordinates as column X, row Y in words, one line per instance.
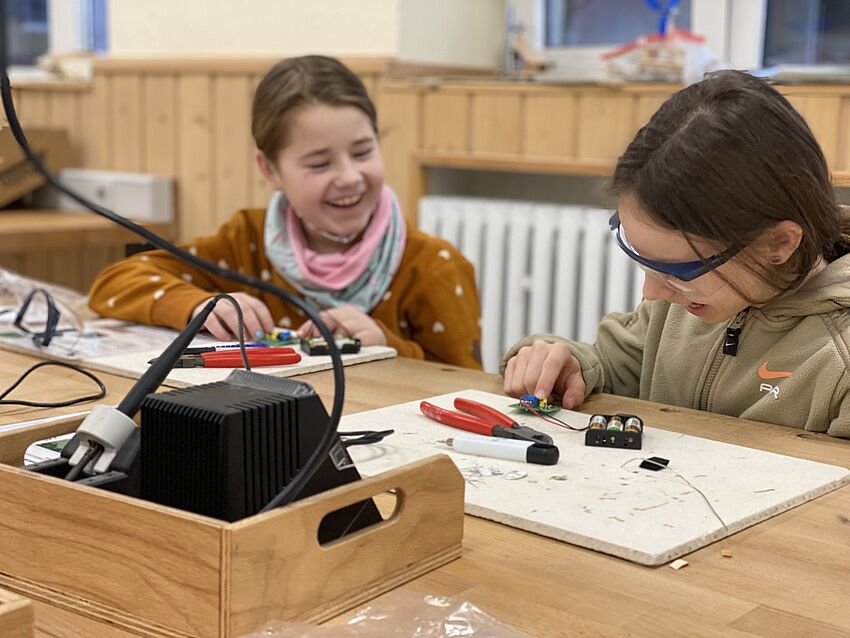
column 17, row 176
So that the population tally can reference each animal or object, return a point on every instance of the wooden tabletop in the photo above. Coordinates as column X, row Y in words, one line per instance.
column 786, row 576
column 25, row 230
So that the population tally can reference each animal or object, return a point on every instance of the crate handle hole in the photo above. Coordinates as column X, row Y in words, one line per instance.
column 346, row 518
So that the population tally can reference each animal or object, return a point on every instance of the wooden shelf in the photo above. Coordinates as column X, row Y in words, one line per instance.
column 514, row 164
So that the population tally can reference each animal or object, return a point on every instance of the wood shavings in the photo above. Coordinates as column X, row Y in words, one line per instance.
column 559, row 477
column 726, row 553
column 678, row 564
column 649, row 507
column 515, row 475
column 769, row 489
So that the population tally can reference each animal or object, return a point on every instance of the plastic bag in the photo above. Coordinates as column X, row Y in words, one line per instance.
column 403, row 615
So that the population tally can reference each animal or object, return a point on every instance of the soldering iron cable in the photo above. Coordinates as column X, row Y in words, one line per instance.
column 290, row 492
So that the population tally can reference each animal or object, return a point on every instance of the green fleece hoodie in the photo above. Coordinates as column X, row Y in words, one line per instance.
column 791, row 365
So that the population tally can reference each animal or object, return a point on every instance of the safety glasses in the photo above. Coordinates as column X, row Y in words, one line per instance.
column 680, row 276
column 39, row 315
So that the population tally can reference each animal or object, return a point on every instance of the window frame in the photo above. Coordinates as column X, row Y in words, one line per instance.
column 733, row 29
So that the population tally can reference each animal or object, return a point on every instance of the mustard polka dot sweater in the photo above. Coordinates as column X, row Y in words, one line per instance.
column 431, row 310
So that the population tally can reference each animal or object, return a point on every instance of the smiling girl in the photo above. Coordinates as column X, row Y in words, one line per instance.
column 333, row 232
column 725, row 202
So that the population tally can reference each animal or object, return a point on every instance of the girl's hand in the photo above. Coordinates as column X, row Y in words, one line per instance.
column 350, row 322
column 223, row 324
column 546, row 370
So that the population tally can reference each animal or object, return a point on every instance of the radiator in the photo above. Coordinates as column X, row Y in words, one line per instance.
column 539, row 267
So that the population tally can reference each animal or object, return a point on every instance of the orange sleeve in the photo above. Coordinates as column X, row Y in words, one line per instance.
column 445, row 313
column 158, row 289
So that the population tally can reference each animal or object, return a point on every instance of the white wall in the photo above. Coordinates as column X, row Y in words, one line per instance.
column 278, row 27
column 456, row 32
column 452, row 32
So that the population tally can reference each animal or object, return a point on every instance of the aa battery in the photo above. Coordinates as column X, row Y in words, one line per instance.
column 598, row 422
column 633, row 424
column 615, row 423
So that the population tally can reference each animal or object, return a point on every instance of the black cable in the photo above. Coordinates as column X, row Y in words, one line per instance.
column 290, row 492
column 363, row 437
column 94, row 451
column 56, row 404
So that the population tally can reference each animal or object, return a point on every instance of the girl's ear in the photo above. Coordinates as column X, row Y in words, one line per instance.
column 777, row 244
column 268, row 171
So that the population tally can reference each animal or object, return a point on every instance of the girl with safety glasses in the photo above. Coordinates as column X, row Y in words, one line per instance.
column 725, row 202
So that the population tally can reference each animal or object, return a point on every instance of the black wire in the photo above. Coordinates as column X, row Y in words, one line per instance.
column 94, row 451
column 241, row 321
column 364, row 437
column 290, row 492
column 57, row 404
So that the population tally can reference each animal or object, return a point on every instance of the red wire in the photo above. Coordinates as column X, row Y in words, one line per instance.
column 553, row 420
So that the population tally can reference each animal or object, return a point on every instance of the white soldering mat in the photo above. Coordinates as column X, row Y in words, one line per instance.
column 136, row 363
column 599, row 498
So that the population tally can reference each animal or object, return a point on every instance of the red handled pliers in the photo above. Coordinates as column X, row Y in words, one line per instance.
column 232, row 358
column 485, row 420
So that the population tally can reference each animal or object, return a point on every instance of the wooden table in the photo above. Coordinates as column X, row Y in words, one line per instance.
column 787, row 576
column 47, row 384
column 64, row 247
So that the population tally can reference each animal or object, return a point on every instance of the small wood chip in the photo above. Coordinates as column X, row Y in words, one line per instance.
column 678, row 564
column 726, row 553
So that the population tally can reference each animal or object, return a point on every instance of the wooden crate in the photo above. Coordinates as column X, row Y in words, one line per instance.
column 158, row 571
column 16, row 616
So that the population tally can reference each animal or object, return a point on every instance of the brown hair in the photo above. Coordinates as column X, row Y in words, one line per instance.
column 726, row 159
column 296, row 82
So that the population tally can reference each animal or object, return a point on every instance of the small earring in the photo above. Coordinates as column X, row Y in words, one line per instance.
column 776, row 260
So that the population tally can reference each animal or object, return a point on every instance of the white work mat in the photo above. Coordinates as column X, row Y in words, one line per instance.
column 137, row 363
column 588, row 499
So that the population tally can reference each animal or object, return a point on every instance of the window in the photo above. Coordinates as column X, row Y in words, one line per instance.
column 26, row 30
column 575, row 33
column 36, row 27
column 807, row 32
column 605, row 22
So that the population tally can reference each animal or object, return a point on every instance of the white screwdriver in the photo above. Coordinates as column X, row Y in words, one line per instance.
column 507, row 449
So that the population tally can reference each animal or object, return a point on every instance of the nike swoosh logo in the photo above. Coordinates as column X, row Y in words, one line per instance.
column 764, row 373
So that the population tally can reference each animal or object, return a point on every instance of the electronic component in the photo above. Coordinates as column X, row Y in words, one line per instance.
column 615, row 430
column 317, row 346
column 532, row 404
column 279, row 337
column 654, row 463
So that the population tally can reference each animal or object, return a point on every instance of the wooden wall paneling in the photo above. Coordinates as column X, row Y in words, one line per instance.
column 645, row 107
column 259, row 189
column 65, row 114
column 496, row 123
column 842, row 162
column 234, row 164
column 822, row 113
column 606, row 124
column 159, row 112
column 66, row 269
column 549, row 126
column 445, row 121
column 36, row 265
column 195, row 166
column 127, row 123
column 97, row 124
column 400, row 129
column 34, row 108
column 86, row 139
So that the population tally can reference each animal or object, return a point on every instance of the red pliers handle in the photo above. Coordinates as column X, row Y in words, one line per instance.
column 484, row 420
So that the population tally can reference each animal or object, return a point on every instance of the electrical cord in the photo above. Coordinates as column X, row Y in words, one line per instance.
column 289, row 492
column 93, row 452
column 363, row 437
column 53, row 404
